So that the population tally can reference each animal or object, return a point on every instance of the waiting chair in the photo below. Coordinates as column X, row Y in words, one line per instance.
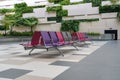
column 35, row 41
column 50, row 41
column 67, row 39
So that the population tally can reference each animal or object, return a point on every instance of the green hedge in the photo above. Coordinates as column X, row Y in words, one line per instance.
column 70, row 25
column 54, row 8
column 3, row 11
column 62, row 13
column 65, row 2
column 73, row 3
column 62, row 2
column 55, row 1
column 15, row 33
column 4, row 27
column 59, row 13
column 1, row 34
column 22, row 8
column 93, row 34
column 51, row 1
column 87, row 1
column 109, row 8
column 58, row 19
column 118, row 16
column 94, row 2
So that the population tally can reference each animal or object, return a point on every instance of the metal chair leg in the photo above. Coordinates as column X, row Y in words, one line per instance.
column 75, row 47
column 60, row 51
column 47, row 49
column 31, row 51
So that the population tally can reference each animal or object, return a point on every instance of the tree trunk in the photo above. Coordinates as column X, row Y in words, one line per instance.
column 11, row 29
column 5, row 31
column 31, row 29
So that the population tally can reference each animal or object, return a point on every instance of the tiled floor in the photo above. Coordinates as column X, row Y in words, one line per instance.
column 102, row 64
column 41, row 65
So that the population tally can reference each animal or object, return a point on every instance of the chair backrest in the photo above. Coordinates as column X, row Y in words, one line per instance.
column 35, row 38
column 53, row 37
column 46, row 38
column 69, row 35
column 65, row 36
column 81, row 35
column 85, row 35
column 60, row 37
column 74, row 36
column 78, row 35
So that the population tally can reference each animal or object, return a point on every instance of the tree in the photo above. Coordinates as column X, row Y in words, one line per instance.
column 30, row 22
column 118, row 16
column 114, row 1
column 6, row 24
column 70, row 25
column 12, row 19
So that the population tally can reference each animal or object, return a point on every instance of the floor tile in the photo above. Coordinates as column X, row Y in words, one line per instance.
column 13, row 73
column 13, row 62
column 14, row 56
column 49, row 71
column 31, row 77
column 73, row 58
column 63, row 63
column 5, row 79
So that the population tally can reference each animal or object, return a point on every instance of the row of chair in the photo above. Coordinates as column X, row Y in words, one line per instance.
column 51, row 39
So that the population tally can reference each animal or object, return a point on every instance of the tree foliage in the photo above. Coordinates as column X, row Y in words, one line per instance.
column 114, row 1
column 30, row 22
column 70, row 25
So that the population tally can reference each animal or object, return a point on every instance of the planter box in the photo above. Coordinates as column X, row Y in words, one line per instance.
column 102, row 37
column 13, row 39
column 94, row 37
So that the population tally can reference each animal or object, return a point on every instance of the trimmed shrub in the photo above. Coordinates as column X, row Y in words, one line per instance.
column 15, row 33
column 4, row 27
column 62, row 13
column 109, row 8
column 70, row 25
column 65, row 2
column 118, row 16
column 54, row 8
column 93, row 34
column 3, row 11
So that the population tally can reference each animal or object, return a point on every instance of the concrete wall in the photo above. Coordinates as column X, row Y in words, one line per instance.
column 108, row 3
column 48, row 27
column 80, row 11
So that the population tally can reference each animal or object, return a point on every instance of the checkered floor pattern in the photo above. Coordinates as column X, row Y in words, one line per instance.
column 16, row 64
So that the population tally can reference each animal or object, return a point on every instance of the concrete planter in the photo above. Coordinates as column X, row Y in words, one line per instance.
column 13, row 39
column 95, row 37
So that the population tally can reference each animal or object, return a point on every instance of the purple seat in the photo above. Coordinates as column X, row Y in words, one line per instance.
column 55, row 40
column 46, row 40
column 50, row 40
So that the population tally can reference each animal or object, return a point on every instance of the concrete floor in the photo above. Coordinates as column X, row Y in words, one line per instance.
column 103, row 64
column 99, row 61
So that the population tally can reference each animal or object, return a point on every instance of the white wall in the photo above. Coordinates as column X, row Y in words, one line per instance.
column 81, row 11
column 108, row 3
column 48, row 27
